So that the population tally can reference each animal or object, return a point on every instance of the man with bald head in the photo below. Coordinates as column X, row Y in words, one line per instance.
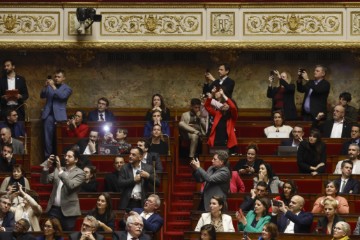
column 293, row 219
column 337, row 127
column 18, row 146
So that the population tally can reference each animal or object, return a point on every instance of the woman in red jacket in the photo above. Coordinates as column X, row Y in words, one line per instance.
column 223, row 128
column 76, row 126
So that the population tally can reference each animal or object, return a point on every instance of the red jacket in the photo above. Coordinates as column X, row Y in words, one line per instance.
column 82, row 131
column 230, row 124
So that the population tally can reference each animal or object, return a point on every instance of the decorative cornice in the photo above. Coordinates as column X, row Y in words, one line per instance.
column 186, row 45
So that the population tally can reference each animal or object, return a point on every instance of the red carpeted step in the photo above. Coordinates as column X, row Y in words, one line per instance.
column 182, row 196
column 181, row 206
column 38, row 187
column 178, row 216
column 179, row 226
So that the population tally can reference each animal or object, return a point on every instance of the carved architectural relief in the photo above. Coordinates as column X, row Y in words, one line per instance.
column 355, row 23
column 29, row 23
column 281, row 23
column 137, row 23
column 73, row 25
column 222, row 24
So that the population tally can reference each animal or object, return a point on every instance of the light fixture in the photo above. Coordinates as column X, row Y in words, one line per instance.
column 86, row 17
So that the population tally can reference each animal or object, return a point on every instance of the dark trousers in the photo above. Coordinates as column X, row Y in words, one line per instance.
column 67, row 223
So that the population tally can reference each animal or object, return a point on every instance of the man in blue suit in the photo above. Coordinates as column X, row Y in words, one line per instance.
column 102, row 113
column 293, row 219
column 57, row 94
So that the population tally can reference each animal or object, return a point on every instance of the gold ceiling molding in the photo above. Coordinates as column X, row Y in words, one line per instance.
column 172, row 45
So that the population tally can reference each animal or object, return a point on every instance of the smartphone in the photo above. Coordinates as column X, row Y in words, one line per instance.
column 245, row 235
column 276, row 203
column 49, row 77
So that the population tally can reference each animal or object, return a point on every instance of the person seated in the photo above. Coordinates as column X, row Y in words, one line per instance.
column 10, row 184
column 52, row 230
column 103, row 212
column 156, row 120
column 152, row 220
column 348, row 185
column 28, row 206
column 351, row 114
column 278, row 127
column 89, row 146
column 311, row 154
column 7, row 139
column 157, row 143
column 292, row 219
column 357, row 228
column 222, row 131
column 327, row 223
column 268, row 176
column 236, row 183
column 102, row 113
column 8, row 220
column 342, row 230
column 255, row 219
column 7, row 161
column 88, row 230
column 260, row 191
column 17, row 128
column 269, row 232
column 331, row 192
column 207, row 232
column 149, row 157
column 21, row 230
column 355, row 138
column 158, row 103
column 111, row 179
column 90, row 184
column 250, row 164
column 222, row 222
column 296, row 137
column 337, row 127
column 289, row 190
column 119, row 140
column 76, row 126
column 282, row 94
column 134, row 229
column 354, row 156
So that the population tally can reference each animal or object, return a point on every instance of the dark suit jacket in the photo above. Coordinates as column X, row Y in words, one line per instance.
column 318, row 98
column 123, row 236
column 9, row 221
column 82, row 143
column 158, row 163
column 287, row 142
column 351, row 185
column 323, row 222
column 5, row 166
column 77, row 236
column 93, row 116
column 288, row 99
column 127, row 183
column 153, row 223
column 248, row 204
column 20, row 84
column 345, row 146
column 17, row 129
column 55, row 101
column 307, row 157
column 326, row 128
column 227, row 86
column 111, row 182
column 303, row 221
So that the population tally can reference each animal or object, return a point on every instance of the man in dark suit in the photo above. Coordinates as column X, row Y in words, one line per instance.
column 7, row 160
column 111, row 179
column 316, row 92
column 89, row 146
column 338, row 127
column 346, row 182
column 297, row 137
column 134, row 229
column 6, row 138
column 56, row 93
column 260, row 191
column 8, row 218
column 292, row 219
column 17, row 128
column 102, row 113
column 64, row 201
column 224, row 82
column 12, row 81
column 88, row 230
column 21, row 230
column 355, row 138
column 149, row 156
column 136, row 179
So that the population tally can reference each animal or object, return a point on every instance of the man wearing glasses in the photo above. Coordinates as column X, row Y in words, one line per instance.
column 88, row 230
column 6, row 217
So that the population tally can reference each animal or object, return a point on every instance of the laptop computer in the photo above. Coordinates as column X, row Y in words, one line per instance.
column 108, row 149
column 287, row 151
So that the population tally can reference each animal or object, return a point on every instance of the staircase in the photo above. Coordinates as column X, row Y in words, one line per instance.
column 178, row 217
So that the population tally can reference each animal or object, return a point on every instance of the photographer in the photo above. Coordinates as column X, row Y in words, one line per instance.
column 281, row 92
column 316, row 92
column 76, row 126
column 10, row 184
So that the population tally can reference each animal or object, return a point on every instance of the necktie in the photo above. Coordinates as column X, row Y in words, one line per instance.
column 343, row 186
column 102, row 117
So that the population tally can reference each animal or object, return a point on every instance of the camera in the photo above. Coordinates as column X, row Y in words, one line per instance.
column 49, row 77
column 16, row 186
column 276, row 203
column 272, row 72
column 302, row 70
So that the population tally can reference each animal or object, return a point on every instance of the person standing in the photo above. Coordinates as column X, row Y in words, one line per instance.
column 316, row 92
column 56, row 93
column 12, row 81
column 224, row 82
